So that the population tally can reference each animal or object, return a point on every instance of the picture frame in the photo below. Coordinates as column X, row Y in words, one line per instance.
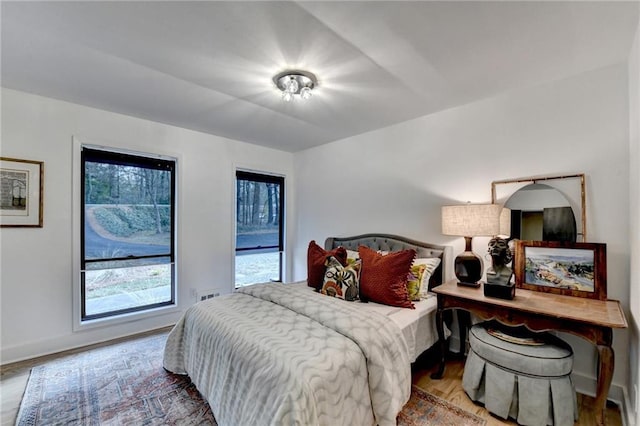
column 571, row 269
column 21, row 193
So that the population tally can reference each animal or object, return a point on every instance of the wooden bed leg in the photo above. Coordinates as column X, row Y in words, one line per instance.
column 441, row 342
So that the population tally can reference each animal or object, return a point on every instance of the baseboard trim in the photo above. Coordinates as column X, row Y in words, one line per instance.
column 70, row 344
column 586, row 385
column 626, row 410
column 454, row 344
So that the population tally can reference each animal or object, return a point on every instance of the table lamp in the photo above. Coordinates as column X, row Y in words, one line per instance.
column 505, row 223
column 468, row 221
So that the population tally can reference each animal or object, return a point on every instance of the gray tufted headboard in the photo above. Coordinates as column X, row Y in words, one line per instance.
column 393, row 243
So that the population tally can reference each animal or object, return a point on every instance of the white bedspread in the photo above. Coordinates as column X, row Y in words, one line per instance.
column 277, row 354
column 418, row 325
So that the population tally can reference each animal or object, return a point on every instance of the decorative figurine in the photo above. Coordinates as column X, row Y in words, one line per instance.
column 499, row 272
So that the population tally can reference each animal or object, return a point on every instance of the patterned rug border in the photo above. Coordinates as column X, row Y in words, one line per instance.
column 96, row 394
column 429, row 417
column 103, row 386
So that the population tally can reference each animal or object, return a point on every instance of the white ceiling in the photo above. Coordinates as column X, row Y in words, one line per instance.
column 208, row 66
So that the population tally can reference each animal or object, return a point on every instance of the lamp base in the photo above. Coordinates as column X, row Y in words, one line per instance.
column 468, row 269
column 474, row 285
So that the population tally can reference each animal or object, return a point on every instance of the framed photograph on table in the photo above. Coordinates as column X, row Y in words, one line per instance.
column 572, row 269
column 21, row 192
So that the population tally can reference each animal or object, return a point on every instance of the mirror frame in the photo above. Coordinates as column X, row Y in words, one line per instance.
column 538, row 179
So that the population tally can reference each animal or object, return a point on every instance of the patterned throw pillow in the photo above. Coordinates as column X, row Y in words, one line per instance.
column 384, row 278
column 431, row 263
column 414, row 281
column 341, row 281
column 316, row 258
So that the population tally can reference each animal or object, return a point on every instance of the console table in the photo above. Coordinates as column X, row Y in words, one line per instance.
column 593, row 320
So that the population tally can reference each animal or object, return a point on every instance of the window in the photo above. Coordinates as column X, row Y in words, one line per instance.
column 259, row 228
column 127, row 233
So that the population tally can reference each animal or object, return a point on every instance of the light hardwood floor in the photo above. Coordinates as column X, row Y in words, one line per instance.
column 13, row 381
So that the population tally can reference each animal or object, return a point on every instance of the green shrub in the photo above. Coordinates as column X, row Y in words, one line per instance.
column 111, row 221
column 123, row 221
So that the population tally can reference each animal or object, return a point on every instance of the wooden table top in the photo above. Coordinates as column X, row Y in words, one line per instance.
column 606, row 313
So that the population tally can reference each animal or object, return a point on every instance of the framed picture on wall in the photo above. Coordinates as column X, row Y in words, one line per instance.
column 572, row 269
column 21, row 192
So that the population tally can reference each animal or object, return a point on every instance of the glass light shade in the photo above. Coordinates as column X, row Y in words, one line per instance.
column 295, row 82
column 287, row 96
column 305, row 93
column 292, row 86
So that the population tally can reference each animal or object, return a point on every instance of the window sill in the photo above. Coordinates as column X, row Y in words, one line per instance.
column 124, row 318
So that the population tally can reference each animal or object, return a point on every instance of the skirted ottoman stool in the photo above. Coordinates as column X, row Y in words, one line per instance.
column 529, row 382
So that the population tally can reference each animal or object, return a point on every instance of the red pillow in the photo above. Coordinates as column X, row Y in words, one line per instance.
column 383, row 278
column 316, row 256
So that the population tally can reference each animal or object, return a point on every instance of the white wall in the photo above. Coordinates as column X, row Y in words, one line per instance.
column 36, row 263
column 634, row 199
column 396, row 179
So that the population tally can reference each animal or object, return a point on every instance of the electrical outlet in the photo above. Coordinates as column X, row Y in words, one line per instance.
column 208, row 294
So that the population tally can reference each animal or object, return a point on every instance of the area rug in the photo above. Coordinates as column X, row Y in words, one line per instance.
column 125, row 384
column 426, row 409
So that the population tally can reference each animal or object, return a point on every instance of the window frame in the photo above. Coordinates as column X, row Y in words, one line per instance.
column 107, row 155
column 262, row 177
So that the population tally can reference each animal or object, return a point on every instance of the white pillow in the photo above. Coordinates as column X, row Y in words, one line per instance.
column 431, row 263
column 352, row 256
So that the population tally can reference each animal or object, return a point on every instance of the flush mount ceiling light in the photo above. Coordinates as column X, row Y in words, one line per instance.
column 295, row 82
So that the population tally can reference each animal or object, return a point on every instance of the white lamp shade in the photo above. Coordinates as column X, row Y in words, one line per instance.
column 505, row 223
column 471, row 220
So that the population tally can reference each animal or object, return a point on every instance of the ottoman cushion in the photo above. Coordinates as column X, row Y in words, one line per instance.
column 530, row 383
column 553, row 359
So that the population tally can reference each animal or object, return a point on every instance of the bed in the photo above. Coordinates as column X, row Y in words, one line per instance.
column 283, row 354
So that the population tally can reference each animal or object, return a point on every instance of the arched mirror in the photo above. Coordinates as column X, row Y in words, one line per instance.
column 544, row 208
column 541, row 213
